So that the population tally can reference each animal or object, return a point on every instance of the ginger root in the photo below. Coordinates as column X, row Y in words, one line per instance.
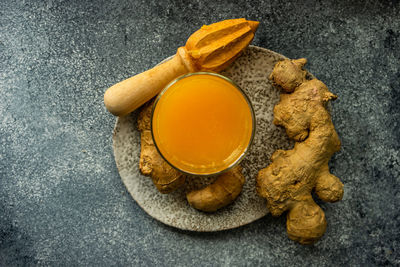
column 288, row 181
column 164, row 177
column 217, row 195
column 220, row 193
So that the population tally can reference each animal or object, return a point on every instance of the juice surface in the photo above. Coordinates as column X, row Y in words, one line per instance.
column 202, row 124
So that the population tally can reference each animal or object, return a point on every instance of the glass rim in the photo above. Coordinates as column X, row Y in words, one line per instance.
column 253, row 119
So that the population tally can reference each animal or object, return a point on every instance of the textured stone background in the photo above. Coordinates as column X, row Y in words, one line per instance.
column 61, row 199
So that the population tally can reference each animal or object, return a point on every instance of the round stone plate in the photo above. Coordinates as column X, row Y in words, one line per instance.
column 250, row 71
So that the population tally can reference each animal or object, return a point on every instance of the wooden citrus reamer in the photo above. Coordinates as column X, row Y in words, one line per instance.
column 212, row 48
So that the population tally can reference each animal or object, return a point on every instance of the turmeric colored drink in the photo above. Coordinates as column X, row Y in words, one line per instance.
column 202, row 123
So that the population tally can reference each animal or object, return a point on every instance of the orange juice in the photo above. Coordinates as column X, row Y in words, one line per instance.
column 202, row 123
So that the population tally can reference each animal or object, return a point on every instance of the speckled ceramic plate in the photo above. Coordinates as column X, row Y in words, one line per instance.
column 250, row 72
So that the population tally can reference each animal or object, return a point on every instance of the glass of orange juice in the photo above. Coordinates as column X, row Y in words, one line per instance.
column 202, row 123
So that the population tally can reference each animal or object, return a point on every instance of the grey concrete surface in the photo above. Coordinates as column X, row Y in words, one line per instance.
column 62, row 202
